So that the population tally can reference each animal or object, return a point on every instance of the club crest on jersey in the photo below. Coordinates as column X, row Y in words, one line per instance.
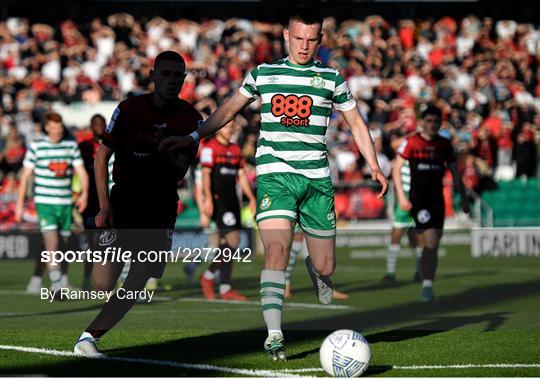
column 317, row 82
column 265, row 202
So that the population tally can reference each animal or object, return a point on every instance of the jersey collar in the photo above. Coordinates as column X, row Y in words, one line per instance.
column 289, row 63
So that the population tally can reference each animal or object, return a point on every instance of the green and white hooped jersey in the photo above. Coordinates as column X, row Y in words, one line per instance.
column 295, row 111
column 53, row 169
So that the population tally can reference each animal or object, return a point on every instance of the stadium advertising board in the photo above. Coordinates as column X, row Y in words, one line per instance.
column 506, row 242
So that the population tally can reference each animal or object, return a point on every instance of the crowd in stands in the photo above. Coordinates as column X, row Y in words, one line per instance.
column 483, row 73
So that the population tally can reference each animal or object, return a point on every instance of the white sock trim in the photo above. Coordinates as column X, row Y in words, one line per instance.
column 275, row 331
column 209, row 275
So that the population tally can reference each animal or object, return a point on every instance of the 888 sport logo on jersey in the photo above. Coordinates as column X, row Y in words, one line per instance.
column 294, row 110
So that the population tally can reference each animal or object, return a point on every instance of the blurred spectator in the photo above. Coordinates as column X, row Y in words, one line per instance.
column 484, row 75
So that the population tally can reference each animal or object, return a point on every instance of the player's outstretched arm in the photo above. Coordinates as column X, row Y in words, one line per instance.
column 104, row 217
column 452, row 166
column 365, row 145
column 216, row 121
column 225, row 113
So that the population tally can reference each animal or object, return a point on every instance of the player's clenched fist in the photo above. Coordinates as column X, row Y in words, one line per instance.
column 104, row 218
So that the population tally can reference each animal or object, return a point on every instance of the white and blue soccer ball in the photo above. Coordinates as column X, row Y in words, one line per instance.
column 345, row 353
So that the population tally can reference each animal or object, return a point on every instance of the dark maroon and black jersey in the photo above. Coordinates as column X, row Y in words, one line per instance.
column 427, row 160
column 225, row 161
column 134, row 133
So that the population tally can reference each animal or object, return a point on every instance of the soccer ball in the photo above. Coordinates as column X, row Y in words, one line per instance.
column 345, row 353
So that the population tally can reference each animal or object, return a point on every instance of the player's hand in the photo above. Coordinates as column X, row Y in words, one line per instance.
column 378, row 176
column 81, row 203
column 104, row 218
column 173, row 143
column 253, row 206
column 19, row 209
column 208, row 207
column 405, row 204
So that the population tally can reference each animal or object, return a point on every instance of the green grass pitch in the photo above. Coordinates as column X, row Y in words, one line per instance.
column 487, row 313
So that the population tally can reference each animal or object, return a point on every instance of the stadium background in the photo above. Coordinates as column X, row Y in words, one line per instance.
column 55, row 55
column 84, row 58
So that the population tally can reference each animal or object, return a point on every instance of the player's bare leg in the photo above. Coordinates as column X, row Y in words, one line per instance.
column 34, row 285
column 51, row 240
column 114, row 310
column 230, row 240
column 393, row 251
column 276, row 235
column 416, row 241
column 297, row 247
column 207, row 280
column 430, row 257
column 321, row 263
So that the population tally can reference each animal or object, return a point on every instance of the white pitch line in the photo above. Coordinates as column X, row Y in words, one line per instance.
column 201, row 300
column 287, row 304
column 248, row 372
column 434, row 367
column 493, row 365
column 156, row 362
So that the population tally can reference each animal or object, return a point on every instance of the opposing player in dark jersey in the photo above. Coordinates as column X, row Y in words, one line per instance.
column 428, row 155
column 142, row 205
column 222, row 164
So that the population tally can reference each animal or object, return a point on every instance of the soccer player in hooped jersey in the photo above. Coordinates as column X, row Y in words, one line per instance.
column 428, row 155
column 144, row 195
column 52, row 160
column 293, row 176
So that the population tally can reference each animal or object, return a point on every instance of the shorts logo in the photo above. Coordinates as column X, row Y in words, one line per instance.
column 107, row 237
column 423, row 216
column 265, row 202
column 332, row 218
column 317, row 82
column 229, row 219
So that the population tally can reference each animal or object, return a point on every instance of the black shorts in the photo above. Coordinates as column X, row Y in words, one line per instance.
column 135, row 209
column 227, row 214
column 142, row 223
column 139, row 242
column 427, row 211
